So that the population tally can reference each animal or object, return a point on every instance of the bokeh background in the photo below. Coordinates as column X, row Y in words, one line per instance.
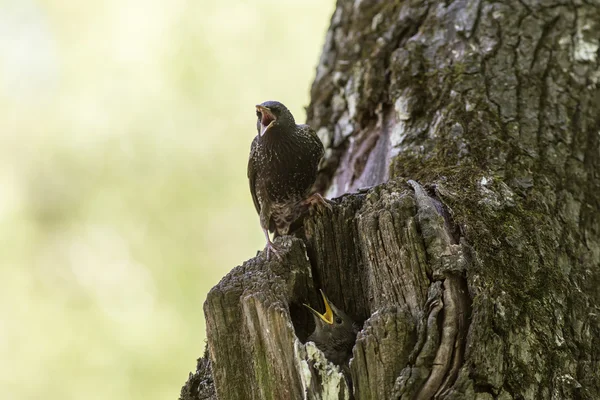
column 125, row 127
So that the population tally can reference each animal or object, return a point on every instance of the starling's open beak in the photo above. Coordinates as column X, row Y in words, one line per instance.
column 267, row 118
column 328, row 316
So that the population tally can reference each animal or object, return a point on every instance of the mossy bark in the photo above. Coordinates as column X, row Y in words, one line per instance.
column 472, row 258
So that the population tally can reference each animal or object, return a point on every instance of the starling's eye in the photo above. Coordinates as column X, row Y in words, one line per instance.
column 338, row 320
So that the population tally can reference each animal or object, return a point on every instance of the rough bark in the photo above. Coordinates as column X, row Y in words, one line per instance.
column 200, row 385
column 472, row 259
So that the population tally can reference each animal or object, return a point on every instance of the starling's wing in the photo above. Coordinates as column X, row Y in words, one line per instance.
column 307, row 128
column 252, row 173
column 317, row 145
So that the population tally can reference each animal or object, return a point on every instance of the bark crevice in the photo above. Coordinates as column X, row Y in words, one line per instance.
column 479, row 281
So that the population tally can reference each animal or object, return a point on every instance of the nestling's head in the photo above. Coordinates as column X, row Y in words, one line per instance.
column 273, row 116
column 334, row 322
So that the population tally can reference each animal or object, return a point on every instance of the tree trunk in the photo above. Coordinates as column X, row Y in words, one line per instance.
column 472, row 259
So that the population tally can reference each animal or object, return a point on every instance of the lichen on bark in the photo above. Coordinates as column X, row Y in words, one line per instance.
column 472, row 258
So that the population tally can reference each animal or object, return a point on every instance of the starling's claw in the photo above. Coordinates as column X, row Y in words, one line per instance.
column 270, row 247
column 317, row 199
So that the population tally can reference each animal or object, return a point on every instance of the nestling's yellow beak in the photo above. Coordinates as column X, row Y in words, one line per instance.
column 328, row 316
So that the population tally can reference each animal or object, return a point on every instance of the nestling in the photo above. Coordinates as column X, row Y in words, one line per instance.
column 284, row 158
column 335, row 333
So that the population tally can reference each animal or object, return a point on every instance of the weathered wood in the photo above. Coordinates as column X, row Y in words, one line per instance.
column 473, row 263
column 256, row 324
column 248, row 319
column 200, row 385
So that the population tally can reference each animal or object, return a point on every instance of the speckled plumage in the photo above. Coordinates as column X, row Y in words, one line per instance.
column 282, row 167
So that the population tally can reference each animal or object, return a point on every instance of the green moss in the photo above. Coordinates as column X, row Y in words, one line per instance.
column 514, row 239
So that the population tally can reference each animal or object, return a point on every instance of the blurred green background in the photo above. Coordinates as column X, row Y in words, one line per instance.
column 125, row 128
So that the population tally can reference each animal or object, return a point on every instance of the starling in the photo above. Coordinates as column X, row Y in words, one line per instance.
column 335, row 333
column 284, row 158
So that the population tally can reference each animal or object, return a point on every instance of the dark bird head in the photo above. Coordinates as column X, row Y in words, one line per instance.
column 272, row 116
column 335, row 332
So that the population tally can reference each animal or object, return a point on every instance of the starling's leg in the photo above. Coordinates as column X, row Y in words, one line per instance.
column 270, row 247
column 317, row 199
